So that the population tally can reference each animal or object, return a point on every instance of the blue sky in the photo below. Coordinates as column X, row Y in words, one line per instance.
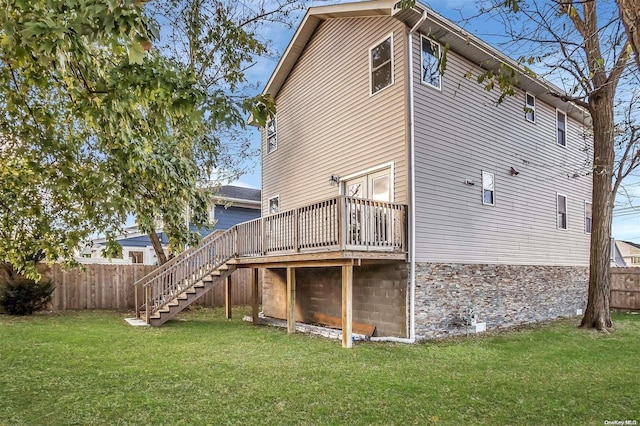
column 626, row 226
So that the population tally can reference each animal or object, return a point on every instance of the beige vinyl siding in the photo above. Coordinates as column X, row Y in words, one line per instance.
column 328, row 123
column 460, row 132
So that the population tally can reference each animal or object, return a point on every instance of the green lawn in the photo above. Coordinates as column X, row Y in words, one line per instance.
column 92, row 368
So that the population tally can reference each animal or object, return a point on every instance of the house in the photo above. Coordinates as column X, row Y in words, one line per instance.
column 405, row 199
column 498, row 203
column 232, row 205
column 616, row 256
column 629, row 252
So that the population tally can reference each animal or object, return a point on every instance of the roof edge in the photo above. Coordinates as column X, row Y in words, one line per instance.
column 313, row 18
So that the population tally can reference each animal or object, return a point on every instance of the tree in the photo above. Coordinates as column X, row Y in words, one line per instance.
column 630, row 17
column 217, row 41
column 583, row 44
column 95, row 124
column 627, row 143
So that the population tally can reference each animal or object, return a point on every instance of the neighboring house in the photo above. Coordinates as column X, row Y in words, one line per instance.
column 629, row 252
column 232, row 205
column 407, row 200
column 616, row 256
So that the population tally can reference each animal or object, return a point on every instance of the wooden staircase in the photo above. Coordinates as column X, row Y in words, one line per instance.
column 178, row 283
column 189, row 296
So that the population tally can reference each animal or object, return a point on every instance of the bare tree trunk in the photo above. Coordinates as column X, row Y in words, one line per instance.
column 630, row 15
column 157, row 247
column 597, row 314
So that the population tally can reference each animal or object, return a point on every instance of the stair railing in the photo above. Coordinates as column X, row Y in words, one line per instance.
column 168, row 281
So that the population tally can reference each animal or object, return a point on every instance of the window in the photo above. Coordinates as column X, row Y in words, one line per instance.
column 561, row 124
column 488, row 183
column 562, row 211
column 381, row 65
column 136, row 256
column 274, row 205
column 430, row 62
column 588, row 217
column 272, row 137
column 530, row 107
column 635, row 260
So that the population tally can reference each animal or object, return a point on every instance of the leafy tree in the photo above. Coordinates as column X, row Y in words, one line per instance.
column 96, row 124
column 217, row 41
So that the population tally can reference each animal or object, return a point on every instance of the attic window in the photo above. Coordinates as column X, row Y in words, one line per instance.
column 430, row 58
column 272, row 137
column 530, row 107
column 381, row 64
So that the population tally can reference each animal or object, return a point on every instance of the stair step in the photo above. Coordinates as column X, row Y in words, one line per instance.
column 223, row 267
column 209, row 277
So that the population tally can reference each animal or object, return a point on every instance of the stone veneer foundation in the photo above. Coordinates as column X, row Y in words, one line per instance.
column 502, row 296
column 379, row 295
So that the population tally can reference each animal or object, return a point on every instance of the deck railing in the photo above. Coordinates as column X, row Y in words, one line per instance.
column 340, row 223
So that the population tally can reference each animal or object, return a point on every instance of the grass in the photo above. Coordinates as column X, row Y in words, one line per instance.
column 91, row 368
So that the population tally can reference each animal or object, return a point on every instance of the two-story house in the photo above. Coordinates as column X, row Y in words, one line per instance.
column 498, row 196
column 404, row 198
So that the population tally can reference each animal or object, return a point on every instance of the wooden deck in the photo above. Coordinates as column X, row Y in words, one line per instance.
column 318, row 259
column 340, row 232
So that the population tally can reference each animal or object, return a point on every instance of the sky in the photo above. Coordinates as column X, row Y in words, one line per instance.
column 626, row 221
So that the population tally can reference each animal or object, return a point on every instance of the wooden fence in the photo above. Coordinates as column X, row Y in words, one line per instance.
column 111, row 287
column 625, row 288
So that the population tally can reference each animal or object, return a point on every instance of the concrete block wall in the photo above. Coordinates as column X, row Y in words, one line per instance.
column 379, row 295
column 501, row 295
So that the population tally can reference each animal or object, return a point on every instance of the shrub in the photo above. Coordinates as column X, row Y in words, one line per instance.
column 23, row 296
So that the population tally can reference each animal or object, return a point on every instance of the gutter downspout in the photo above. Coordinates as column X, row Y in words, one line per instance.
column 412, row 200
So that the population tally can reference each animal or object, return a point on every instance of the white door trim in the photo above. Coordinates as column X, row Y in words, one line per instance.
column 369, row 171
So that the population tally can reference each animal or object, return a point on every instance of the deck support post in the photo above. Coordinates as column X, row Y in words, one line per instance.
column 291, row 300
column 347, row 305
column 227, row 297
column 255, row 300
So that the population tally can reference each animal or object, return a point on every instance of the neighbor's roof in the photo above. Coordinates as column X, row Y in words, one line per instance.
column 445, row 31
column 231, row 192
column 636, row 245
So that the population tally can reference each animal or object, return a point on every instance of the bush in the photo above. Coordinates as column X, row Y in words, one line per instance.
column 23, row 296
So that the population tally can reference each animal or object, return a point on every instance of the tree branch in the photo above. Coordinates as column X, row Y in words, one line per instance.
column 578, row 100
